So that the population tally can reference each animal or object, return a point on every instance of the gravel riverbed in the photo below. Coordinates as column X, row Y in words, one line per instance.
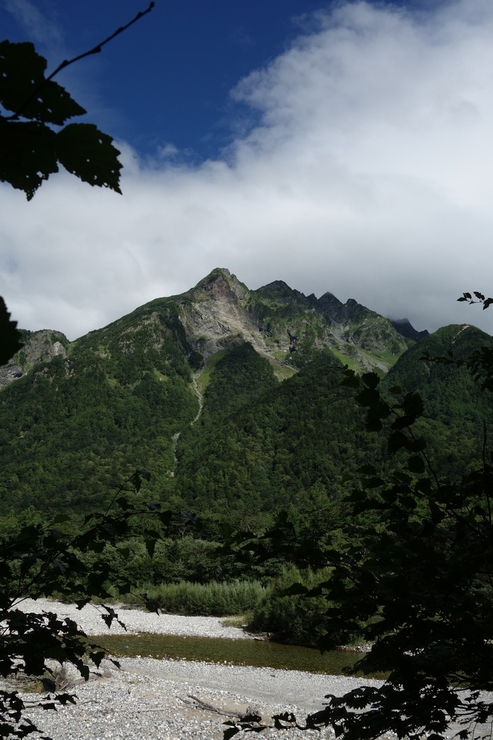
column 135, row 621
column 171, row 699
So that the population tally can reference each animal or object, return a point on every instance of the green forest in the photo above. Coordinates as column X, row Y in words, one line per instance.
column 252, row 446
column 320, row 502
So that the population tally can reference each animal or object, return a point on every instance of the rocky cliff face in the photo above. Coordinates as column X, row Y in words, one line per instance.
column 215, row 317
column 39, row 346
column 285, row 325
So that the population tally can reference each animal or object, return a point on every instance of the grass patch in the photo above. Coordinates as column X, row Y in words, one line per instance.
column 205, row 375
column 240, row 621
column 283, row 372
column 203, row 599
column 345, row 359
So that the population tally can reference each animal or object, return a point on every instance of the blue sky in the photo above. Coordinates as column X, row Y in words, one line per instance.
column 337, row 146
column 168, row 78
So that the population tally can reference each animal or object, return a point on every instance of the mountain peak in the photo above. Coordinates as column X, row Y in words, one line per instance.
column 329, row 299
column 284, row 325
column 282, row 293
column 406, row 329
column 277, row 286
column 219, row 282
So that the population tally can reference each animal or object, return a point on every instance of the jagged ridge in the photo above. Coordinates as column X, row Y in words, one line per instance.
column 220, row 312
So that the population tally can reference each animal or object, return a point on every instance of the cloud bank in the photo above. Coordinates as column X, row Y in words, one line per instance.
column 369, row 174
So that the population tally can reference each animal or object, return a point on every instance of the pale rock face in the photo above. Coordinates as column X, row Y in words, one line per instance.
column 215, row 316
column 221, row 312
column 39, row 346
column 10, row 372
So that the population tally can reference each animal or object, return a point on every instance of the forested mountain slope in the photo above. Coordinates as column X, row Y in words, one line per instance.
column 290, row 445
column 449, row 393
column 275, row 429
column 457, row 412
column 302, row 438
column 72, row 426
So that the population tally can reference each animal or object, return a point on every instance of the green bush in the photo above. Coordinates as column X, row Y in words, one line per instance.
column 295, row 619
column 204, row 599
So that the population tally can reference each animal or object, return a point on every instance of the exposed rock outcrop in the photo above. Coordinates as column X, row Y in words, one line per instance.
column 39, row 346
column 283, row 324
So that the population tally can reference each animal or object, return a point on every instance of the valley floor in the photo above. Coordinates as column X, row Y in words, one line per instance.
column 177, row 699
column 167, row 700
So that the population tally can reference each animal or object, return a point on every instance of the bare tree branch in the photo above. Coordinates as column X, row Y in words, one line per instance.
column 68, row 62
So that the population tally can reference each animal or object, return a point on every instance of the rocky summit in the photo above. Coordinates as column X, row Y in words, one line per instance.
column 284, row 325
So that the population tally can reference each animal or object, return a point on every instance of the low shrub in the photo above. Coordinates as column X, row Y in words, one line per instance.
column 294, row 619
column 203, row 599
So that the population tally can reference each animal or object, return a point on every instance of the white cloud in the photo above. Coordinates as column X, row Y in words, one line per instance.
column 370, row 175
column 38, row 26
column 167, row 151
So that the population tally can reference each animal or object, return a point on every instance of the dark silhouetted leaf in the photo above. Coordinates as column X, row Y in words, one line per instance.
column 22, row 74
column 9, row 335
column 371, row 380
column 368, row 397
column 89, row 154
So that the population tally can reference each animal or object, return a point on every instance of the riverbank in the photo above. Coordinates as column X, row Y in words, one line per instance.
column 171, row 700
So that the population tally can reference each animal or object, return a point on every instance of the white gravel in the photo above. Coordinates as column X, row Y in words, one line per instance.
column 174, row 699
column 135, row 620
column 153, row 698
